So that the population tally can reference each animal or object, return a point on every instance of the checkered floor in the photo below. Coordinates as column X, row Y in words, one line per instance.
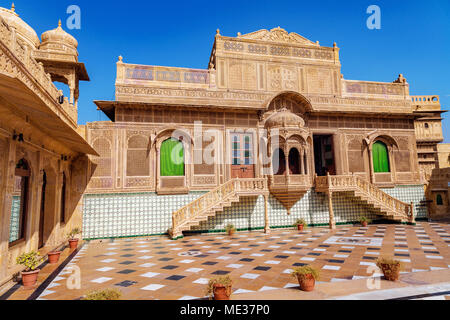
column 159, row 268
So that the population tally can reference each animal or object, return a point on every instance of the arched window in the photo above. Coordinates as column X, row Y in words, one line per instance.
column 19, row 208
column 172, row 158
column 62, row 216
column 279, row 162
column 294, row 161
column 439, row 200
column 380, row 157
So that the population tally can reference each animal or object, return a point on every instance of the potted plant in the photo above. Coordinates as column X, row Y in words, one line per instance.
column 300, row 224
column 219, row 288
column 364, row 221
column 230, row 229
column 73, row 242
column 30, row 261
column 53, row 257
column 106, row 294
column 306, row 276
column 391, row 268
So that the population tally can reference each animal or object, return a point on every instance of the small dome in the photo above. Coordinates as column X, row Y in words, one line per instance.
column 23, row 30
column 284, row 118
column 59, row 40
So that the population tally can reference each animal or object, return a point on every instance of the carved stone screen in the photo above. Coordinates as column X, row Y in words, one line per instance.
column 103, row 147
column 138, row 163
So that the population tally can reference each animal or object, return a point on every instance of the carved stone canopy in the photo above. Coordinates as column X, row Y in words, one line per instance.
column 277, row 35
column 24, row 31
column 59, row 40
column 284, row 119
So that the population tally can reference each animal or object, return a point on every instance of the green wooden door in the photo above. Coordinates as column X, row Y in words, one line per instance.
column 380, row 157
column 172, row 158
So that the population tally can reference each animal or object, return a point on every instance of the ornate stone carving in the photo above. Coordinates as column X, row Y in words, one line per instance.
column 277, row 35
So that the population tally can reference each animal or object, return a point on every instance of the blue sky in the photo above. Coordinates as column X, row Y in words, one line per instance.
column 414, row 38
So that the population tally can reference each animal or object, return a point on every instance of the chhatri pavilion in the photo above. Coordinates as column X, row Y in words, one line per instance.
column 269, row 133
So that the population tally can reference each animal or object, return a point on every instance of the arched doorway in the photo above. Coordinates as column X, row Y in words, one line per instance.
column 19, row 208
column 172, row 158
column 294, row 161
column 279, row 162
column 380, row 157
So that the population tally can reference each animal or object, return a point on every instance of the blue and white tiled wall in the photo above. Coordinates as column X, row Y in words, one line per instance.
column 133, row 214
column 15, row 219
column 408, row 194
column 122, row 215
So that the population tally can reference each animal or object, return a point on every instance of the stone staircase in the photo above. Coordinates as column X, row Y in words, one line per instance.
column 386, row 205
column 213, row 202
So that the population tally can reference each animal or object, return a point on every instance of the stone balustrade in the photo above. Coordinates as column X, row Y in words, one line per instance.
column 214, row 198
column 345, row 183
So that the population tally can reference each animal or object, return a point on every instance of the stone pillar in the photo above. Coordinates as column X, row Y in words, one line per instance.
column 266, row 214
column 372, row 177
column 302, row 162
column 330, row 209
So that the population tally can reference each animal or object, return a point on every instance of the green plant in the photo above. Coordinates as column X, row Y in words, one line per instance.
column 301, row 272
column 30, row 260
column 229, row 228
column 389, row 266
column 365, row 219
column 225, row 281
column 106, row 294
column 75, row 231
column 300, row 222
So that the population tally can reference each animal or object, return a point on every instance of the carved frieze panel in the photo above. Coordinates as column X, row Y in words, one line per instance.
column 204, row 180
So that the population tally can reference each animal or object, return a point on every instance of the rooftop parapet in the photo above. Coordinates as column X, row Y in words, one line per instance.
column 425, row 103
column 144, row 75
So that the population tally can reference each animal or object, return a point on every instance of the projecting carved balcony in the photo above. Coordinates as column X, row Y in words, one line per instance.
column 288, row 189
column 20, row 70
column 290, row 182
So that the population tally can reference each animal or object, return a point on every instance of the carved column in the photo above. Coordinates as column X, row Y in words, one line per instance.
column 372, row 178
column 331, row 211
column 330, row 204
column 302, row 161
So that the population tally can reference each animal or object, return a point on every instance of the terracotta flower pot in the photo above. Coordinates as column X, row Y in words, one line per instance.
column 231, row 232
column 221, row 292
column 300, row 227
column 73, row 243
column 53, row 257
column 306, row 282
column 391, row 272
column 29, row 279
column 364, row 223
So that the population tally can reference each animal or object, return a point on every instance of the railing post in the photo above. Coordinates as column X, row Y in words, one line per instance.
column 266, row 214
column 329, row 180
column 411, row 218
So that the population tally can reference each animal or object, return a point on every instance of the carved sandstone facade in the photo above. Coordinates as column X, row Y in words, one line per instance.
column 259, row 88
column 42, row 156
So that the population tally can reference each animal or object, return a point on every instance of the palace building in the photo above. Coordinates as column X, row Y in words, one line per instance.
column 269, row 133
column 337, row 149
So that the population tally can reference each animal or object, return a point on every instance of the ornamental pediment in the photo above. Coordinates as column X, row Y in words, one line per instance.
column 277, row 35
